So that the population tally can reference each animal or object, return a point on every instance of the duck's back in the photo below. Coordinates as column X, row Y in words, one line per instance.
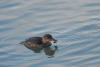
column 33, row 41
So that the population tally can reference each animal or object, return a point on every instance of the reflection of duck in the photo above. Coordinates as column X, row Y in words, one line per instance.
column 39, row 42
column 50, row 52
column 47, row 50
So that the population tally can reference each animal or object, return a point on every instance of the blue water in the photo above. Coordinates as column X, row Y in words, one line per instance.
column 74, row 23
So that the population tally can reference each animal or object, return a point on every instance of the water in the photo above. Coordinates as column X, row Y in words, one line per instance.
column 74, row 23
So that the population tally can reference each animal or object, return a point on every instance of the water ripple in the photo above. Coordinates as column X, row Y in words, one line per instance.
column 75, row 24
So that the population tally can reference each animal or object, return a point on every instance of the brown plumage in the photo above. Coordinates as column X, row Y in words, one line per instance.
column 44, row 41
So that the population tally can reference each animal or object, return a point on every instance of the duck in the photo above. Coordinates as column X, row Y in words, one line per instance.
column 39, row 42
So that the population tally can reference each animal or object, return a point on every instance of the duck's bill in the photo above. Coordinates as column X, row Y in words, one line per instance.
column 54, row 41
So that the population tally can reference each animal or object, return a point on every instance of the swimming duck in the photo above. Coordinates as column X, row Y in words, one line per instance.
column 44, row 41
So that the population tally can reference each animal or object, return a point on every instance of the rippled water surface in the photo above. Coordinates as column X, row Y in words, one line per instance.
column 74, row 23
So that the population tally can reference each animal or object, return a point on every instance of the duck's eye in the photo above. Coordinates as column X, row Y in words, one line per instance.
column 49, row 37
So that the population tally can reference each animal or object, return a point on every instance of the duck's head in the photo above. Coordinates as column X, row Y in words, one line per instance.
column 48, row 38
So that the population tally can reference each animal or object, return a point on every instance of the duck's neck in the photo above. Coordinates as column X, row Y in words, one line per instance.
column 45, row 41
